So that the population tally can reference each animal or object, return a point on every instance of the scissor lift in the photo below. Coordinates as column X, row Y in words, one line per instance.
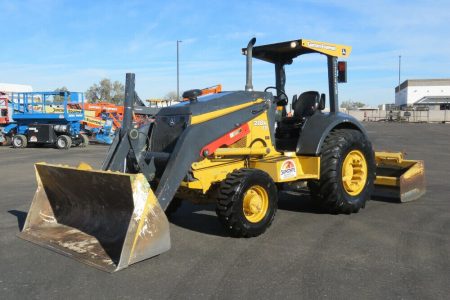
column 47, row 118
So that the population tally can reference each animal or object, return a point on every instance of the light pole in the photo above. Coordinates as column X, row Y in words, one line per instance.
column 178, row 70
column 399, row 68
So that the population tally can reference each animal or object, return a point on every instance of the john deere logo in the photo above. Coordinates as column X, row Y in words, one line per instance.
column 344, row 52
column 172, row 122
column 288, row 169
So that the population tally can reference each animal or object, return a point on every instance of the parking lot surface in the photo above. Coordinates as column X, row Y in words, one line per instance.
column 388, row 250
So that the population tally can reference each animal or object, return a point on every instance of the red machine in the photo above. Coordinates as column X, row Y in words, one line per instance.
column 4, row 116
column 4, row 119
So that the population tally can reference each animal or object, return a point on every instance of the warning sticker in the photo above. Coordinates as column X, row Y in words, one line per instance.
column 288, row 169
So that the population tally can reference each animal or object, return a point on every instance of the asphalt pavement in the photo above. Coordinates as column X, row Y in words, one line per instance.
column 386, row 251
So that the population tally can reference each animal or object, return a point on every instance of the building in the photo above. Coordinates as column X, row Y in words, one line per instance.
column 433, row 93
column 15, row 88
column 388, row 106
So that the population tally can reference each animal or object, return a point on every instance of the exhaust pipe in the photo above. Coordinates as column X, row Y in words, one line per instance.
column 249, row 52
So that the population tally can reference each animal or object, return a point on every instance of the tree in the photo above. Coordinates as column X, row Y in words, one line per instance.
column 106, row 90
column 349, row 104
column 59, row 98
column 172, row 96
column 93, row 93
column 118, row 92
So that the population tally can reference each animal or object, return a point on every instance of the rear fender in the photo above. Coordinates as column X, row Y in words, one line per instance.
column 317, row 127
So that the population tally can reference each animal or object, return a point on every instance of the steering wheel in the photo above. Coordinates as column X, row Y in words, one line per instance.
column 280, row 91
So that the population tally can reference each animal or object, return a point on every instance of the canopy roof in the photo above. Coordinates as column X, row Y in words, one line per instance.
column 285, row 52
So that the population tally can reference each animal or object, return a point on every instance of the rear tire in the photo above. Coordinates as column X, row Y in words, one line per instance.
column 19, row 141
column 63, row 142
column 85, row 141
column 247, row 202
column 347, row 172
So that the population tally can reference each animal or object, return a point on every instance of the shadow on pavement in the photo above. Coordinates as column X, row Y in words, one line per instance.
column 21, row 217
column 203, row 219
column 298, row 201
column 385, row 199
column 199, row 218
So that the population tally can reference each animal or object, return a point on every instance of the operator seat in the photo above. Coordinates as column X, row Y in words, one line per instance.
column 306, row 104
column 288, row 130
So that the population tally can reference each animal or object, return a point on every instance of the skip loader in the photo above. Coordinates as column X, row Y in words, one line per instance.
column 236, row 149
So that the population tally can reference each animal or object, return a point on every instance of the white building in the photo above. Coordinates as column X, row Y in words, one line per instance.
column 431, row 92
column 15, row 88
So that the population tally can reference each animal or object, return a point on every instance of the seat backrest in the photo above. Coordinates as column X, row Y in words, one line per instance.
column 306, row 104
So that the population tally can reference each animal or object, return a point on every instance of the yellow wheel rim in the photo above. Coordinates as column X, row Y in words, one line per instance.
column 354, row 172
column 255, row 204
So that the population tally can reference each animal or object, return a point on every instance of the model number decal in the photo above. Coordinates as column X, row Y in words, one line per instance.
column 259, row 123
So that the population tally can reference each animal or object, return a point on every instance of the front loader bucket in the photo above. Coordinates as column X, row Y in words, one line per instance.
column 397, row 178
column 108, row 220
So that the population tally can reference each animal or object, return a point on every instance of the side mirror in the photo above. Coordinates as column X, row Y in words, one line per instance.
column 321, row 102
column 342, row 71
column 294, row 100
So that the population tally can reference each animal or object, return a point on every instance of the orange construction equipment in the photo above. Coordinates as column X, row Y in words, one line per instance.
column 101, row 110
column 100, row 107
column 212, row 89
column 102, row 120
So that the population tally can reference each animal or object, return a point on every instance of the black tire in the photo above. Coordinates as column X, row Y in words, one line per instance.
column 173, row 206
column 230, row 202
column 330, row 191
column 85, row 141
column 19, row 141
column 63, row 142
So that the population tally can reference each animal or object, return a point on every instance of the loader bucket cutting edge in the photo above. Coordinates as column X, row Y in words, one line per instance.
column 108, row 220
column 398, row 178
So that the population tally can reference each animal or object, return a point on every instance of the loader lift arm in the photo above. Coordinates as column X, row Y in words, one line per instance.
column 132, row 143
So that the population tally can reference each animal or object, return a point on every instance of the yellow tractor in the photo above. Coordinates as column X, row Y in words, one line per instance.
column 236, row 149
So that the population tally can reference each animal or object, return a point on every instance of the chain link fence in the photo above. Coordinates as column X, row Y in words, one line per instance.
column 414, row 116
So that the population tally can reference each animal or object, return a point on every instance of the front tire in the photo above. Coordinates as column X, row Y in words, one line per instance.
column 347, row 172
column 247, row 202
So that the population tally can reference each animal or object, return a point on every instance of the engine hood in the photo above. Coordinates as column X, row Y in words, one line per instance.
column 213, row 102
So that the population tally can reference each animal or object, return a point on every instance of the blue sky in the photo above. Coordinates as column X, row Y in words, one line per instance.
column 50, row 44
